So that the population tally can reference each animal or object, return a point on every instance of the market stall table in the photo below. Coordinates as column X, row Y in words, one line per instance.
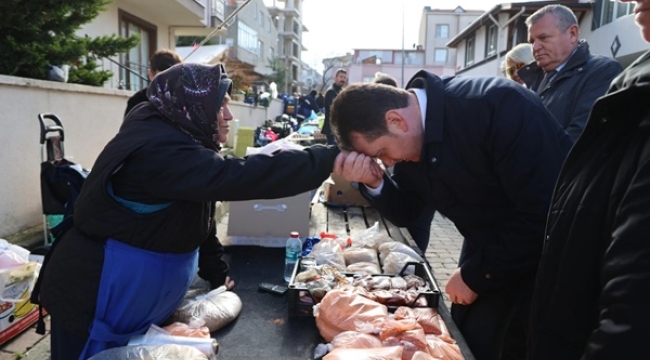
column 264, row 330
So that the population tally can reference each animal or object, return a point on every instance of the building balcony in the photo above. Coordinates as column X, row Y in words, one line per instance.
column 183, row 12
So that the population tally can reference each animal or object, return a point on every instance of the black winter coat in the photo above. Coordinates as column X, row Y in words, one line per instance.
column 489, row 162
column 573, row 91
column 330, row 95
column 161, row 164
column 592, row 289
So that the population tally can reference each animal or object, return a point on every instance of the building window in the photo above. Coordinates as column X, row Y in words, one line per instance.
column 440, row 55
column 247, row 37
column 137, row 58
column 491, row 41
column 262, row 19
column 469, row 51
column 606, row 11
column 296, row 50
column 294, row 73
column 260, row 46
column 442, row 31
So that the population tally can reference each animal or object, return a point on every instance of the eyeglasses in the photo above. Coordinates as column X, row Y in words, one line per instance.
column 511, row 70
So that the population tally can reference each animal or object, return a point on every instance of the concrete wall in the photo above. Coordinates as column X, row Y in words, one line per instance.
column 90, row 115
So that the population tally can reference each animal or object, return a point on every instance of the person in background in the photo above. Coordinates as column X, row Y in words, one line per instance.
column 516, row 58
column 482, row 151
column 320, row 101
column 307, row 105
column 131, row 252
column 591, row 295
column 420, row 230
column 161, row 60
column 383, row 78
column 340, row 79
column 566, row 76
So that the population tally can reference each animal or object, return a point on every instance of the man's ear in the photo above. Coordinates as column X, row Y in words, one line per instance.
column 396, row 121
column 574, row 33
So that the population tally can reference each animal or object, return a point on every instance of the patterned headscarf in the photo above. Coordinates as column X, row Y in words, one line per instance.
column 190, row 96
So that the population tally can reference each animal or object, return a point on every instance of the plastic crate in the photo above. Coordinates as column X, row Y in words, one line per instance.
column 297, row 308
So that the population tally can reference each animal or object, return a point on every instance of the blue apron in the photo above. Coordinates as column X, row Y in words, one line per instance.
column 137, row 288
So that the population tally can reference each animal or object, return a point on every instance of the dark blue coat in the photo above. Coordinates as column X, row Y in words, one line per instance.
column 490, row 158
column 573, row 91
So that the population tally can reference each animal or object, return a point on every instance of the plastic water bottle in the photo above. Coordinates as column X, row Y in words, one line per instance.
column 293, row 250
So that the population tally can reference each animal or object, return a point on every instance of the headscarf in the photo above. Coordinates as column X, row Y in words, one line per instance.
column 189, row 96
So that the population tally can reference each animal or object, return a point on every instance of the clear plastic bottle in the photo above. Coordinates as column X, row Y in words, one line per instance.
column 293, row 250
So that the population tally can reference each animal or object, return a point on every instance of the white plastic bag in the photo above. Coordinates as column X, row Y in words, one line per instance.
column 12, row 255
column 151, row 352
column 158, row 336
column 216, row 309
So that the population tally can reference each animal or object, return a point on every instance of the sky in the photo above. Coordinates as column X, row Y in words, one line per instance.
column 339, row 26
column 336, row 27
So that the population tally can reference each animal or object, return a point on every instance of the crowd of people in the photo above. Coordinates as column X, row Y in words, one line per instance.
column 544, row 173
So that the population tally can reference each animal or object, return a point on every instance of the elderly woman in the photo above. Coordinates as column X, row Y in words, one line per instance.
column 516, row 58
column 147, row 207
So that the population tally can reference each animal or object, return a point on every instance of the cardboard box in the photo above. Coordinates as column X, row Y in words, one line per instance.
column 17, row 313
column 16, row 317
column 343, row 193
column 268, row 222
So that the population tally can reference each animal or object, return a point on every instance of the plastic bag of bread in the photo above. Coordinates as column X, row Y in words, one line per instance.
column 341, row 310
column 156, row 335
column 216, row 308
column 397, row 247
column 371, row 238
column 356, row 340
column 394, row 263
column 363, row 268
column 355, row 255
column 151, row 352
column 382, row 353
column 194, row 329
column 329, row 252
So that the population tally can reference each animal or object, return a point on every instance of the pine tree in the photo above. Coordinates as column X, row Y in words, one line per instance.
column 40, row 33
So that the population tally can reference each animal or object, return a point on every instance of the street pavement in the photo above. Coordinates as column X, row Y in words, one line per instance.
column 442, row 254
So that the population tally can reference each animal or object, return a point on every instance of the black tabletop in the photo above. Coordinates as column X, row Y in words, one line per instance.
column 263, row 329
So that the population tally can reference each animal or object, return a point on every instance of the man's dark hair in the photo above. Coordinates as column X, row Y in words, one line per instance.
column 339, row 71
column 313, row 93
column 383, row 78
column 163, row 59
column 362, row 108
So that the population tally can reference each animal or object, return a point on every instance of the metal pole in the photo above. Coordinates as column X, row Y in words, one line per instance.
column 403, row 54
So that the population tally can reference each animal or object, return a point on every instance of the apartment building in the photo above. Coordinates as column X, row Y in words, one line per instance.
column 157, row 22
column 287, row 17
column 437, row 26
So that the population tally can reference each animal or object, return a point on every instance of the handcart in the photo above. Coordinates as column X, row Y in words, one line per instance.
column 61, row 179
